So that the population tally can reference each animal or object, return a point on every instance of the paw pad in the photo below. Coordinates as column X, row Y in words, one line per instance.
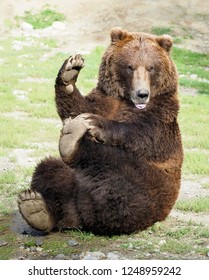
column 33, row 209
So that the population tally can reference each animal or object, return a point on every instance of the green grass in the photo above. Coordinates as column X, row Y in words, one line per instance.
column 196, row 162
column 23, row 133
column 88, row 76
column 157, row 30
column 194, row 112
column 205, row 185
column 187, row 231
column 11, row 183
column 189, row 63
column 197, row 205
column 42, row 19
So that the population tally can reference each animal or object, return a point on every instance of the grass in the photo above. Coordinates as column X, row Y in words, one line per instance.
column 88, row 76
column 189, row 63
column 42, row 19
column 197, row 205
column 169, row 240
column 194, row 113
column 157, row 30
column 205, row 185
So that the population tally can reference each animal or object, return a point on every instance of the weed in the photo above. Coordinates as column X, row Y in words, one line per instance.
column 200, row 204
column 195, row 162
column 43, row 19
column 175, row 247
column 178, row 40
column 30, row 243
column 179, row 233
column 7, row 177
column 161, row 30
column 56, row 247
column 192, row 63
column 205, row 185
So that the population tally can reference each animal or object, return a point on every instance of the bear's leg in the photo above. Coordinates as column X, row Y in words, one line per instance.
column 51, row 195
column 68, row 99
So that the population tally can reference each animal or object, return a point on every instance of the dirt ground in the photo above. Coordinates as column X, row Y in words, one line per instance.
column 89, row 22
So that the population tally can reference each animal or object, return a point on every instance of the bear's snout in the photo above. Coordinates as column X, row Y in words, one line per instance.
column 140, row 98
column 142, row 95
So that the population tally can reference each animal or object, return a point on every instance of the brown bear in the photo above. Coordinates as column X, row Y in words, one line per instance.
column 120, row 146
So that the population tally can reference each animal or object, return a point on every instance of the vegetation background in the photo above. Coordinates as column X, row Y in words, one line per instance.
column 36, row 36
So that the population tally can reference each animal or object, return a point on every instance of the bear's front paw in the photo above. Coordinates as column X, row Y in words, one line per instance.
column 70, row 71
column 97, row 127
column 73, row 130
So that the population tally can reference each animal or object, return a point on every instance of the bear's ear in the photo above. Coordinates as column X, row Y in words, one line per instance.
column 118, row 34
column 165, row 42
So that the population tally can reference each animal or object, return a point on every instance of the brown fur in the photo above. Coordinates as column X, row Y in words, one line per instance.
column 128, row 178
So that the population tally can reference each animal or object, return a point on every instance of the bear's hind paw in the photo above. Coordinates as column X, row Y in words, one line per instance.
column 33, row 209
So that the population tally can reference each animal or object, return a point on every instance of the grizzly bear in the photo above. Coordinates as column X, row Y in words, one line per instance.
column 120, row 146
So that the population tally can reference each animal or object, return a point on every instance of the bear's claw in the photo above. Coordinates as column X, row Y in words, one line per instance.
column 33, row 209
column 74, row 62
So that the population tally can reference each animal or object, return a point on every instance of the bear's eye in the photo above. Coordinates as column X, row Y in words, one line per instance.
column 150, row 69
column 130, row 69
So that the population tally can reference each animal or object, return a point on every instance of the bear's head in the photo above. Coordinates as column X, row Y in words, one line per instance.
column 137, row 67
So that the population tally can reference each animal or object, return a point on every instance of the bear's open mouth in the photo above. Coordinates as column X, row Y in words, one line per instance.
column 140, row 106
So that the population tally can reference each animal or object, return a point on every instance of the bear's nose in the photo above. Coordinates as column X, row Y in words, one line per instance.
column 143, row 94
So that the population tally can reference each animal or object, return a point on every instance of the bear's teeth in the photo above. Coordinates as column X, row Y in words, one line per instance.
column 140, row 106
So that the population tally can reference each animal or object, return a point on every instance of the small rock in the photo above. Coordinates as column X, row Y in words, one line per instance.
column 39, row 242
column 130, row 247
column 58, row 25
column 20, row 94
column 112, row 256
column 26, row 26
column 193, row 76
column 75, row 257
column 17, row 47
column 60, row 257
column 161, row 242
column 46, row 31
column 21, row 258
column 73, row 243
column 39, row 249
column 3, row 243
column 148, row 255
column 94, row 256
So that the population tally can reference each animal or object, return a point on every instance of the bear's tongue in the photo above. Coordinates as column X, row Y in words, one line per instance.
column 140, row 106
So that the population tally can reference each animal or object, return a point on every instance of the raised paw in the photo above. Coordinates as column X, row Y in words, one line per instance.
column 70, row 70
column 33, row 209
column 73, row 130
